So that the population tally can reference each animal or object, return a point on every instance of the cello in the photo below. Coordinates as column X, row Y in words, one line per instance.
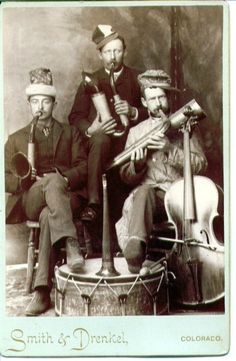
column 192, row 206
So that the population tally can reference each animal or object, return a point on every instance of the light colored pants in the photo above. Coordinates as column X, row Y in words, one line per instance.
column 141, row 207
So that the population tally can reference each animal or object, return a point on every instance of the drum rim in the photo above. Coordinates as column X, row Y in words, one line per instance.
column 63, row 273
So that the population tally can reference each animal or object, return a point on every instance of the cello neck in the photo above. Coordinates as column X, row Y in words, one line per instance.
column 189, row 209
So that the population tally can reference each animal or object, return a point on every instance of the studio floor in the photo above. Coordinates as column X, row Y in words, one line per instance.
column 16, row 298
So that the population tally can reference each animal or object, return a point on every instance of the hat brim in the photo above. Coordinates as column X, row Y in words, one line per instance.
column 171, row 88
column 41, row 89
column 162, row 86
column 107, row 40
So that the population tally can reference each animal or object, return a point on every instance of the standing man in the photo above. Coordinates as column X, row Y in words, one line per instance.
column 43, row 193
column 102, row 145
column 152, row 168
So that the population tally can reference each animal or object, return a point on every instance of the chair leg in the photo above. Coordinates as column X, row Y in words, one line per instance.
column 30, row 260
column 88, row 242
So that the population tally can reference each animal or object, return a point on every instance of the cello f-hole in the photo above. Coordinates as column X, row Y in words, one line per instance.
column 203, row 231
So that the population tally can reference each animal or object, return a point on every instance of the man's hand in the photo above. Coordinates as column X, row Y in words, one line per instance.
column 33, row 174
column 97, row 127
column 158, row 141
column 123, row 107
column 139, row 157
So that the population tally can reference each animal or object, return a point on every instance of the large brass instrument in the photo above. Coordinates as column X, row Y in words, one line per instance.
column 123, row 118
column 24, row 166
column 175, row 121
column 100, row 101
column 107, row 268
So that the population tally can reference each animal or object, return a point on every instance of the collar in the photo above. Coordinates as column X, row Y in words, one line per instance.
column 155, row 119
column 159, row 123
column 48, row 125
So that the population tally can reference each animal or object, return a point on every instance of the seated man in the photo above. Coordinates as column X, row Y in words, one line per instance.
column 152, row 168
column 101, row 142
column 43, row 194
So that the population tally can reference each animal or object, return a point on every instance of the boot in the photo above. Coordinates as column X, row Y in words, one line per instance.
column 40, row 302
column 75, row 260
column 134, row 254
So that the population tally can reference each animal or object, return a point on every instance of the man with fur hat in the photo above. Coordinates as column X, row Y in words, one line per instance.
column 102, row 145
column 50, row 192
column 152, row 168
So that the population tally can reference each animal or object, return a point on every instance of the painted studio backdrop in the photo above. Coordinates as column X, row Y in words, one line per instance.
column 184, row 41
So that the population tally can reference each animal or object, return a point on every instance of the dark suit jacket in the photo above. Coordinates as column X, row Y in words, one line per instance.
column 69, row 158
column 83, row 111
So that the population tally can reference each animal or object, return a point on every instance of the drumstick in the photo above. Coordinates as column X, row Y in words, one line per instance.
column 152, row 268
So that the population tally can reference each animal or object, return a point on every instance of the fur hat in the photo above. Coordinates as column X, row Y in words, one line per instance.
column 41, row 83
column 103, row 34
column 155, row 78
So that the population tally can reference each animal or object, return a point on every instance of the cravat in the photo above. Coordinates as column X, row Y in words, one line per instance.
column 46, row 131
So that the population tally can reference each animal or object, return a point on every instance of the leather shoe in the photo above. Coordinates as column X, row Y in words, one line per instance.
column 75, row 260
column 89, row 214
column 134, row 254
column 40, row 303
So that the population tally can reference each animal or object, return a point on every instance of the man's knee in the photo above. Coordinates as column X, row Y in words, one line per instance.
column 144, row 192
column 55, row 182
column 99, row 141
column 44, row 215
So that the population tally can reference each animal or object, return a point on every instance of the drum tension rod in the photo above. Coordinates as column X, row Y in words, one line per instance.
column 87, row 301
column 86, row 298
column 122, row 300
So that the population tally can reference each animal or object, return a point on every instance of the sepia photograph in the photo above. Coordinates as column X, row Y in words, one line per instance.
column 115, row 184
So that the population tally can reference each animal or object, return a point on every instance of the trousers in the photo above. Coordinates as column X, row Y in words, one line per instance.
column 148, row 204
column 49, row 202
column 101, row 149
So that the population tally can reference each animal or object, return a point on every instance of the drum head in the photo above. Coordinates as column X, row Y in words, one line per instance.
column 92, row 266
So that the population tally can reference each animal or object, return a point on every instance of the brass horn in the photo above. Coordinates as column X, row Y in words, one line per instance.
column 175, row 121
column 20, row 165
column 100, row 101
column 108, row 268
column 23, row 166
column 123, row 118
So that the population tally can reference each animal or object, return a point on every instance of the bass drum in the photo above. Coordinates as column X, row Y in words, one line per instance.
column 87, row 294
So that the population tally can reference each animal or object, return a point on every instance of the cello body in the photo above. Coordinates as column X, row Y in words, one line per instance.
column 198, row 263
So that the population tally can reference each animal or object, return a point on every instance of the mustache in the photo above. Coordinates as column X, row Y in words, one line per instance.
column 157, row 109
column 156, row 112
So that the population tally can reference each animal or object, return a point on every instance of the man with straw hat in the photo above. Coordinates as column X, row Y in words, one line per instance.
column 152, row 168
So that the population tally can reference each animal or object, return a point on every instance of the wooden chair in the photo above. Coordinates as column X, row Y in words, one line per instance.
column 33, row 242
column 32, row 253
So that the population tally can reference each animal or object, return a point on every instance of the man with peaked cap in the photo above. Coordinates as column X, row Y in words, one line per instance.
column 102, row 145
column 152, row 168
column 51, row 192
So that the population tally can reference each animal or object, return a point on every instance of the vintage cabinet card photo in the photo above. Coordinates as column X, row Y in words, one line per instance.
column 114, row 178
